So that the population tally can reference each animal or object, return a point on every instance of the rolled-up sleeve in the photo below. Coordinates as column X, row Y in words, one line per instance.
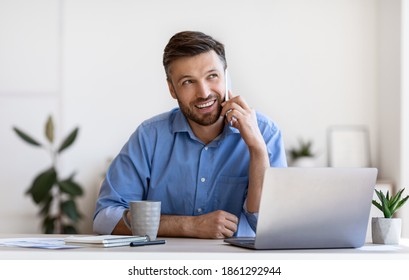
column 106, row 219
column 125, row 181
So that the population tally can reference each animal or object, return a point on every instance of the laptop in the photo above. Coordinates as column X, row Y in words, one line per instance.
column 312, row 208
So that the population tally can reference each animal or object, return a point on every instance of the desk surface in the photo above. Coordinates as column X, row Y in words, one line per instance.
column 205, row 249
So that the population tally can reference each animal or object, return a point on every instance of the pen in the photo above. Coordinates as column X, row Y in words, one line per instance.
column 154, row 242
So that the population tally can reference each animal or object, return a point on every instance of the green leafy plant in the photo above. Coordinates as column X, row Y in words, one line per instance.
column 389, row 204
column 56, row 196
column 302, row 150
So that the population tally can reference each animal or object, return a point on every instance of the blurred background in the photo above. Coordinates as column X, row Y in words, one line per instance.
column 310, row 65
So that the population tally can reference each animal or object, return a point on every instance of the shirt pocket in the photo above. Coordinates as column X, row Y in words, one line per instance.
column 230, row 193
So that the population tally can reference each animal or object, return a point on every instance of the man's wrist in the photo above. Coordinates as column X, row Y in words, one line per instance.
column 180, row 226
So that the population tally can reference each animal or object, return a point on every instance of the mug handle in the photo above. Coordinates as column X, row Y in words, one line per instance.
column 125, row 218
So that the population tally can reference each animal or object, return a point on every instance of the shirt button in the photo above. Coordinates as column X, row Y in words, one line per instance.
column 203, row 179
column 199, row 210
column 206, row 148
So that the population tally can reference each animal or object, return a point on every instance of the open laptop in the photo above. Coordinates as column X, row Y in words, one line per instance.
column 304, row 208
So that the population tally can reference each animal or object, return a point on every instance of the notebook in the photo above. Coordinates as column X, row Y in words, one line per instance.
column 306, row 208
column 104, row 240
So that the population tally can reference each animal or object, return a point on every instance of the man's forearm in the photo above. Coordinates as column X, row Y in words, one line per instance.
column 176, row 226
column 217, row 224
column 121, row 228
column 259, row 162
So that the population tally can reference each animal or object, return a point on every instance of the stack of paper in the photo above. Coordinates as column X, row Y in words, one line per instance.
column 36, row 242
column 104, row 240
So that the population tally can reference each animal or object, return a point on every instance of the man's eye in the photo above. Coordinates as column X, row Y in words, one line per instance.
column 186, row 82
column 212, row 76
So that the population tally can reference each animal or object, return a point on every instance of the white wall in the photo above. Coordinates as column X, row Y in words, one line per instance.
column 29, row 91
column 393, row 96
column 404, row 182
column 97, row 65
column 390, row 88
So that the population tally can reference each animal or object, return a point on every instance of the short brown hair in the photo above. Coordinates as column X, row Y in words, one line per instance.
column 190, row 43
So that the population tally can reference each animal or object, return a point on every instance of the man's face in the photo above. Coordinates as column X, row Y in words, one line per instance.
column 197, row 83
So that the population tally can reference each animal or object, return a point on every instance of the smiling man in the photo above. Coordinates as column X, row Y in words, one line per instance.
column 204, row 161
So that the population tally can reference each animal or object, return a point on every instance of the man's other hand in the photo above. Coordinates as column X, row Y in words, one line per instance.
column 217, row 224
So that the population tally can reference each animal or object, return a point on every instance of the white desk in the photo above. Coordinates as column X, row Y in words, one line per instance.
column 201, row 249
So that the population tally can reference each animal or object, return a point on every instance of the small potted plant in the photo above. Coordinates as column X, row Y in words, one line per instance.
column 387, row 229
column 302, row 155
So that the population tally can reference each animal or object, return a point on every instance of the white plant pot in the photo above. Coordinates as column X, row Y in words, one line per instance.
column 304, row 162
column 386, row 230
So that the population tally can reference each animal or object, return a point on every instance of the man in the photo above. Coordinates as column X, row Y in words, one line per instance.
column 204, row 161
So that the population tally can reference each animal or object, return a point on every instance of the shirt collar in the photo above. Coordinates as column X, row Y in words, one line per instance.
column 180, row 124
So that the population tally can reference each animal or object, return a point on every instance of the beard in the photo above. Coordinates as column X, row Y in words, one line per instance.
column 202, row 119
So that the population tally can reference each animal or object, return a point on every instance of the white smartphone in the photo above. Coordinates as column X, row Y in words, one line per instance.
column 226, row 97
column 227, row 85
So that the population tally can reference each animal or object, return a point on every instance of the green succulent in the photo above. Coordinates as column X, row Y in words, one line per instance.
column 389, row 204
column 48, row 189
column 303, row 150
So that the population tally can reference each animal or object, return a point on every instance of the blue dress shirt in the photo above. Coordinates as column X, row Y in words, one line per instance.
column 163, row 160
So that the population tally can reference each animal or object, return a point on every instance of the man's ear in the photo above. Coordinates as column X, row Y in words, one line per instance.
column 171, row 89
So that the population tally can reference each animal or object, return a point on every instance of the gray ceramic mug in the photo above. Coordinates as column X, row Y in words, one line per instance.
column 145, row 218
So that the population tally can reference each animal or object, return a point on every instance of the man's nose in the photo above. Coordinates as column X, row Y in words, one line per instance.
column 203, row 90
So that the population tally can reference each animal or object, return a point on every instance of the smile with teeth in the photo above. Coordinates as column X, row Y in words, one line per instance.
column 205, row 105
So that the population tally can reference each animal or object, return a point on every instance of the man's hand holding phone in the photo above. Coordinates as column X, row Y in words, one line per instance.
column 239, row 115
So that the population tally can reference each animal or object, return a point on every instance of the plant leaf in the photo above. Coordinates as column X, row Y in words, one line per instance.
column 71, row 177
column 378, row 193
column 69, row 229
column 26, row 137
column 48, row 225
column 69, row 140
column 397, row 196
column 400, row 204
column 382, row 198
column 394, row 200
column 70, row 209
column 47, row 202
column 376, row 203
column 385, row 205
column 70, row 187
column 42, row 185
column 49, row 129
